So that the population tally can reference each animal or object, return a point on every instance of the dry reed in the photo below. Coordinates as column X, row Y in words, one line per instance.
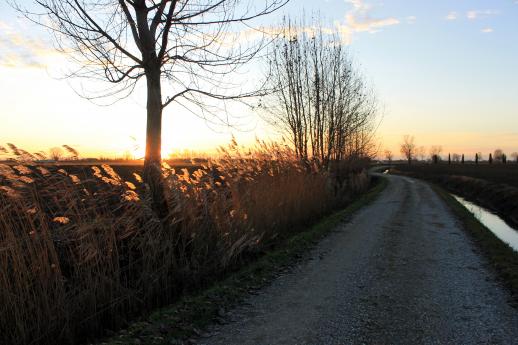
column 83, row 253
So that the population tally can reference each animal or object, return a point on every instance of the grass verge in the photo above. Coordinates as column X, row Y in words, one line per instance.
column 186, row 318
column 502, row 257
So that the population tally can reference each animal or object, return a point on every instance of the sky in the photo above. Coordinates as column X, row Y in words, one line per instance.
column 444, row 71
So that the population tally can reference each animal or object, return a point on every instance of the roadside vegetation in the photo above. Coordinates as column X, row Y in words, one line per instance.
column 80, row 255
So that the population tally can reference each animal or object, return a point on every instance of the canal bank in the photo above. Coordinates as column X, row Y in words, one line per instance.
column 502, row 257
column 498, row 226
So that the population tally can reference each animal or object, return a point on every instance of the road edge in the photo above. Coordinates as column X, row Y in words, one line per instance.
column 184, row 319
column 501, row 257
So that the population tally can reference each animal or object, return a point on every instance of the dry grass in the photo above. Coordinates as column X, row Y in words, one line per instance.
column 82, row 255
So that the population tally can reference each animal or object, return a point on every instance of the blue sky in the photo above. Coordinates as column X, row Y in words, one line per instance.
column 444, row 71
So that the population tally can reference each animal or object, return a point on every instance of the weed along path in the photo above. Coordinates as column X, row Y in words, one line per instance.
column 402, row 271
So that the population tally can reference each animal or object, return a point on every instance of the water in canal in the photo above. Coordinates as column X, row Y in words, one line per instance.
column 493, row 222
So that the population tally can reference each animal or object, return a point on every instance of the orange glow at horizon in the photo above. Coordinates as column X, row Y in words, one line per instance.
column 456, row 88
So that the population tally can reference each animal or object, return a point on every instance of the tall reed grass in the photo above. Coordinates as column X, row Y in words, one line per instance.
column 82, row 253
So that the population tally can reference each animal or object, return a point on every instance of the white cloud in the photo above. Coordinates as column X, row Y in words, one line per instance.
column 359, row 19
column 487, row 30
column 451, row 16
column 475, row 14
column 412, row 19
column 368, row 24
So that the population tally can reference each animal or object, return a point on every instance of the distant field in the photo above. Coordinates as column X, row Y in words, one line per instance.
column 498, row 173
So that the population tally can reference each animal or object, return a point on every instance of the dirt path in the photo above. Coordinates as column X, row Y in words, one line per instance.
column 401, row 272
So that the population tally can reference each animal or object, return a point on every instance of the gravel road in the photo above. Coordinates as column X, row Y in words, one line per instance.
column 401, row 272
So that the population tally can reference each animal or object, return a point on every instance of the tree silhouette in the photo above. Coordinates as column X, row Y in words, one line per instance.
column 408, row 148
column 182, row 42
column 498, row 155
column 421, row 153
column 389, row 156
column 435, row 153
column 322, row 104
column 455, row 157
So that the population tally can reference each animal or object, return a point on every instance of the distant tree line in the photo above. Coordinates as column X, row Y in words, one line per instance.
column 413, row 153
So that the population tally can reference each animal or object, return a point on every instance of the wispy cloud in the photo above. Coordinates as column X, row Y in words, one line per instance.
column 475, row 14
column 368, row 24
column 451, row 16
column 20, row 50
column 359, row 19
column 412, row 19
column 487, row 30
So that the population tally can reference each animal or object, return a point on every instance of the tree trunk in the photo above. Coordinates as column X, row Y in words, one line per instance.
column 154, row 119
column 153, row 159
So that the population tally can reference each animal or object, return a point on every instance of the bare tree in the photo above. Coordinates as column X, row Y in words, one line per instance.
column 408, row 148
column 182, row 42
column 478, row 157
column 435, row 153
column 322, row 104
column 421, row 152
column 514, row 155
column 389, row 156
column 498, row 155
column 56, row 153
column 455, row 157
